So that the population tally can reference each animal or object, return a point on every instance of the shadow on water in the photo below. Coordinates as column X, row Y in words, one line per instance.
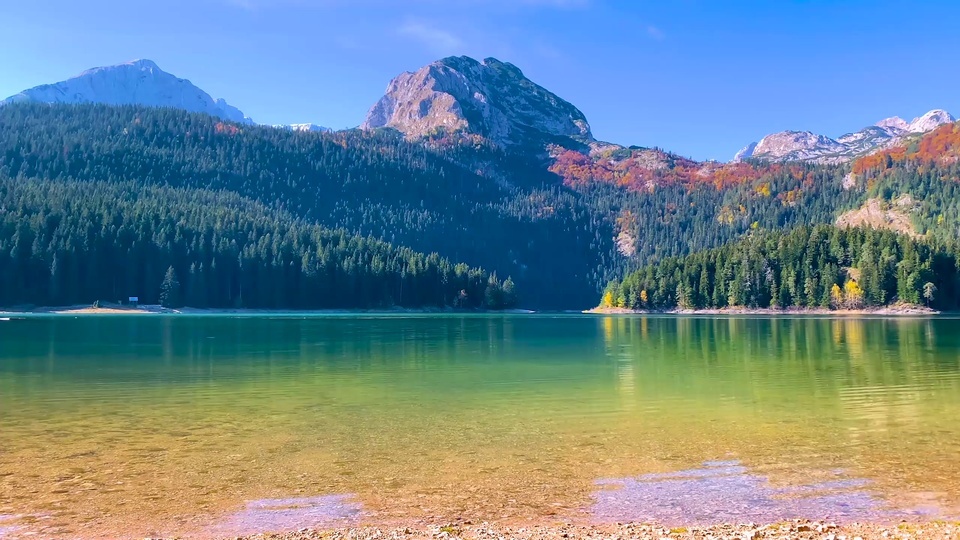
column 726, row 491
column 282, row 515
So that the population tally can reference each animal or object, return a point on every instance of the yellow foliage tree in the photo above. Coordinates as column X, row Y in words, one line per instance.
column 643, row 297
column 852, row 295
column 836, row 296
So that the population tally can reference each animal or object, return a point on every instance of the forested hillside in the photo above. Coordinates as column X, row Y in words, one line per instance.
column 927, row 170
column 820, row 266
column 78, row 242
column 559, row 221
column 523, row 223
column 665, row 205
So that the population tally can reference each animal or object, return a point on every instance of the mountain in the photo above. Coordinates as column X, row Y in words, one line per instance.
column 308, row 128
column 807, row 146
column 491, row 98
column 140, row 82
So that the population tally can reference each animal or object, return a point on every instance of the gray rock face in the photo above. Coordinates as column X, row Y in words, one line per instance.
column 140, row 82
column 807, row 146
column 489, row 98
column 796, row 146
column 746, row 152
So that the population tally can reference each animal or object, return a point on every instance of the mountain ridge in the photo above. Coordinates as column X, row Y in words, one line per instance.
column 793, row 145
column 489, row 98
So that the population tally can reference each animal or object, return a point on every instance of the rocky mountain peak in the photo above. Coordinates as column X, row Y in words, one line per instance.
column 491, row 98
column 930, row 121
column 894, row 122
column 793, row 145
column 140, row 82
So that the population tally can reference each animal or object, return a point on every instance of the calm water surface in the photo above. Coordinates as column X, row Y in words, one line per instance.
column 203, row 425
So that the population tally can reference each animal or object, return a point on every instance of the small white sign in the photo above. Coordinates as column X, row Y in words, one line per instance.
column 134, row 299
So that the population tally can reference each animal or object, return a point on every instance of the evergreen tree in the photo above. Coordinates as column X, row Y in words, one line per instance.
column 754, row 267
column 170, row 290
column 509, row 293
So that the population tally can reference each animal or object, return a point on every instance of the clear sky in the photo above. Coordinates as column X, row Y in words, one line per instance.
column 699, row 78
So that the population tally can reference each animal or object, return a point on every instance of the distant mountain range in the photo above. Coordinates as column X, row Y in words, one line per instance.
column 490, row 99
column 808, row 146
column 310, row 128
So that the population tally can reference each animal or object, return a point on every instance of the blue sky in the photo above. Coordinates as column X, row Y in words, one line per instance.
column 695, row 77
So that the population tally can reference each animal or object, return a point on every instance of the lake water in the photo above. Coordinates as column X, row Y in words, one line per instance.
column 209, row 425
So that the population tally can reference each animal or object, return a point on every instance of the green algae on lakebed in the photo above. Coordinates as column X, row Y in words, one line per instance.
column 174, row 425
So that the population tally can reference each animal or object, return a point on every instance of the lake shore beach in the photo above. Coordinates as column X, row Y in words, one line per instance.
column 796, row 529
column 119, row 309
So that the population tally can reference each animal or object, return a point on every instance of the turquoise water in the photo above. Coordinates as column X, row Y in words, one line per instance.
column 199, row 425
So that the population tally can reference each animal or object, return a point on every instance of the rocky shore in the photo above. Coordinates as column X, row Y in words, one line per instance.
column 798, row 529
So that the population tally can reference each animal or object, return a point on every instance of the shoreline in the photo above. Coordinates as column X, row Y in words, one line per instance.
column 560, row 529
column 117, row 309
column 896, row 310
column 791, row 529
column 907, row 310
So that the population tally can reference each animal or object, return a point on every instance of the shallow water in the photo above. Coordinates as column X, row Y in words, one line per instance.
column 204, row 425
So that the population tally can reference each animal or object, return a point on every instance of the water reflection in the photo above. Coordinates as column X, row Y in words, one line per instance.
column 726, row 491
column 281, row 515
column 6, row 528
column 119, row 426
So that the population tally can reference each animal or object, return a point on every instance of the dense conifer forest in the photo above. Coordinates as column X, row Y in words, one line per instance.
column 814, row 267
column 69, row 242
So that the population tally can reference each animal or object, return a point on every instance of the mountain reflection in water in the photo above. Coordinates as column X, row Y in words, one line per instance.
column 726, row 491
column 280, row 515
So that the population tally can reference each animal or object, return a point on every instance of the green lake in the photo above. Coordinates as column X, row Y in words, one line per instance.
column 153, row 425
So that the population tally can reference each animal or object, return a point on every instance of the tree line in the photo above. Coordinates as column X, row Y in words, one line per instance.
column 815, row 267
column 64, row 243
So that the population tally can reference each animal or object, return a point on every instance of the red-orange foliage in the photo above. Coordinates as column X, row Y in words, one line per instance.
column 645, row 169
column 578, row 169
column 226, row 129
column 940, row 146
